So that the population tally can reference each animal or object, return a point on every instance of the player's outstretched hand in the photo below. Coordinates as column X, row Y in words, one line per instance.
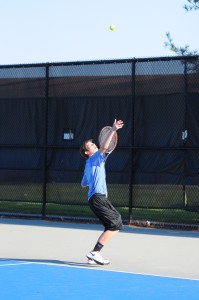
column 117, row 124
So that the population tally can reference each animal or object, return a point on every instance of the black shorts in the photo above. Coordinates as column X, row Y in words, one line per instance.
column 105, row 211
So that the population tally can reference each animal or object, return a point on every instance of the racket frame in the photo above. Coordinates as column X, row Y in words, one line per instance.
column 115, row 135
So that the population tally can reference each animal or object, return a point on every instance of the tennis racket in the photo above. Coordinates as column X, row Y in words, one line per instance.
column 104, row 133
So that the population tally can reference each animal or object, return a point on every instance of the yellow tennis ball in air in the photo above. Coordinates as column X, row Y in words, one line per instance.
column 112, row 27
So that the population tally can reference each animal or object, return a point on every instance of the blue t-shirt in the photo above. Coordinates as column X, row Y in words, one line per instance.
column 95, row 175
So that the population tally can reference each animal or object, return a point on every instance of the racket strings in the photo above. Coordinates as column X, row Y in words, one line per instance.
column 103, row 137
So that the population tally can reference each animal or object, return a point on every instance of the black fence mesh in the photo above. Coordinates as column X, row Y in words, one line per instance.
column 49, row 110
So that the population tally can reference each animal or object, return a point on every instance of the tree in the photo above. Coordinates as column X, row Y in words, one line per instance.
column 179, row 50
column 193, row 5
column 190, row 6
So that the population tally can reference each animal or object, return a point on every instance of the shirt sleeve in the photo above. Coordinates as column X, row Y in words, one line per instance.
column 84, row 181
column 97, row 158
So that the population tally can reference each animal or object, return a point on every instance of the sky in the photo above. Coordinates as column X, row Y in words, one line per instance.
column 41, row 31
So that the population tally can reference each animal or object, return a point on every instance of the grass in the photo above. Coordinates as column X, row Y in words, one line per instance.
column 71, row 200
column 157, row 215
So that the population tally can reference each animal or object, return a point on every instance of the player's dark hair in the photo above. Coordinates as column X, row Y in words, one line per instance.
column 83, row 148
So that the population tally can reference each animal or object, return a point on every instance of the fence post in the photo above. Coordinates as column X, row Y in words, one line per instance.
column 132, row 142
column 184, row 140
column 45, row 142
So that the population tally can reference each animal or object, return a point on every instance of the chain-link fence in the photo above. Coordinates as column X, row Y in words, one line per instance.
column 49, row 110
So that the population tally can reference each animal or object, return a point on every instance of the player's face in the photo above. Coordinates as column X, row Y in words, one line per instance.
column 91, row 148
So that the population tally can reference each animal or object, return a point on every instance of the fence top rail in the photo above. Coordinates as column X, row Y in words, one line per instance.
column 112, row 61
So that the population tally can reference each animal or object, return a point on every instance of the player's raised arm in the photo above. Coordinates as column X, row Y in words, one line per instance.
column 116, row 125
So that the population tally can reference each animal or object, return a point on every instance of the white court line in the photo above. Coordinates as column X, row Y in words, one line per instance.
column 17, row 264
column 89, row 268
column 115, row 271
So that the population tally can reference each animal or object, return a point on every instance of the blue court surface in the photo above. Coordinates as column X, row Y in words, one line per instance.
column 26, row 279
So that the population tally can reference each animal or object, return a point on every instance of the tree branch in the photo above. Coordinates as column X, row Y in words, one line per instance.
column 178, row 50
column 193, row 5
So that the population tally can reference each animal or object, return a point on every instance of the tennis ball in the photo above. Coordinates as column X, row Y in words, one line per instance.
column 112, row 27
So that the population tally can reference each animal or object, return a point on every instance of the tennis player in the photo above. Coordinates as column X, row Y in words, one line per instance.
column 95, row 178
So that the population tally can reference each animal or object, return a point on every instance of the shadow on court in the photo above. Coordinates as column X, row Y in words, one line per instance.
column 47, row 261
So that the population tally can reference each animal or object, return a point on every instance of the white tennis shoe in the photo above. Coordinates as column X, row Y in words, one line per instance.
column 96, row 257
